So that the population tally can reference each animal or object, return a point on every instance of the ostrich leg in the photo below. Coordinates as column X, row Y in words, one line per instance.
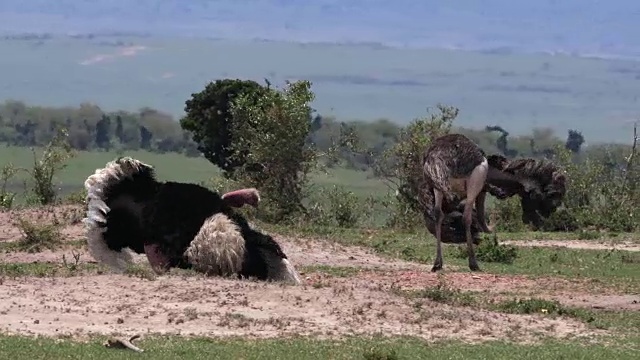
column 482, row 219
column 475, row 186
column 439, row 215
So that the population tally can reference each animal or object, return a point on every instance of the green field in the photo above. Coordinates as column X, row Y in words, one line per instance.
column 299, row 349
column 175, row 167
column 517, row 91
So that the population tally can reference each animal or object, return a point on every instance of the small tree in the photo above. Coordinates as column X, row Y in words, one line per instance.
column 269, row 140
column 209, row 120
column 53, row 160
column 401, row 165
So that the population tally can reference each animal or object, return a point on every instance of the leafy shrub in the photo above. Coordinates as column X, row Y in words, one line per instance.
column 210, row 121
column 6, row 197
column 53, row 160
column 270, row 135
column 401, row 165
column 491, row 251
column 602, row 191
column 508, row 215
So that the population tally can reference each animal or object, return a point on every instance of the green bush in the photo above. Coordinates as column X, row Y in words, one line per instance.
column 270, row 134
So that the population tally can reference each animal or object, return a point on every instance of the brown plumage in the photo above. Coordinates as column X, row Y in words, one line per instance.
column 452, row 226
column 455, row 167
column 542, row 186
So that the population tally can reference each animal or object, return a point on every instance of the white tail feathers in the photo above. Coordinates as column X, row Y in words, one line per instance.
column 218, row 248
column 95, row 220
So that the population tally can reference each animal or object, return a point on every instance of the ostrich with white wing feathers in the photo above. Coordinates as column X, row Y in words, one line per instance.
column 177, row 225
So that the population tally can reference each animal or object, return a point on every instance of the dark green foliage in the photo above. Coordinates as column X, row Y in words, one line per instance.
column 491, row 251
column 208, row 119
column 270, row 147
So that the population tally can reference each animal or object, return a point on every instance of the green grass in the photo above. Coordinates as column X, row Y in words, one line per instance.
column 375, row 348
column 336, row 271
column 174, row 167
column 621, row 321
column 177, row 167
column 14, row 246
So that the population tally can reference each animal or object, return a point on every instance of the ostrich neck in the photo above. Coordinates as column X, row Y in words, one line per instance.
column 500, row 178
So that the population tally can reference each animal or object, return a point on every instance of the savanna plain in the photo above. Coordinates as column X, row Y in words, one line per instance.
column 368, row 292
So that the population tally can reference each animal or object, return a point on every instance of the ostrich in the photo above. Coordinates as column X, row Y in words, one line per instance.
column 542, row 186
column 176, row 225
column 455, row 166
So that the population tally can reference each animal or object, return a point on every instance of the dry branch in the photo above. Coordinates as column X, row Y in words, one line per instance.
column 119, row 343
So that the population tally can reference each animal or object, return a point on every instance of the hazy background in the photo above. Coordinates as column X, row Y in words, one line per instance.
column 559, row 64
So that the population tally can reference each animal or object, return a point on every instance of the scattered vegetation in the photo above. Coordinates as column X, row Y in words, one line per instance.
column 38, row 236
column 489, row 250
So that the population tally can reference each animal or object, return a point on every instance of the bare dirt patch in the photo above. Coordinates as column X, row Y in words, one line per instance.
column 305, row 252
column 221, row 307
column 69, row 216
column 578, row 244
column 326, row 306
column 605, row 302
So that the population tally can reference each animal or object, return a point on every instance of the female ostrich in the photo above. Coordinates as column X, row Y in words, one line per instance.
column 176, row 225
column 455, row 166
column 541, row 189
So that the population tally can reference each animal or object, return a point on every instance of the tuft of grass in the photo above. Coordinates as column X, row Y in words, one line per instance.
column 13, row 246
column 491, row 251
column 600, row 319
column 47, row 269
column 532, row 306
column 443, row 293
column 336, row 271
column 140, row 271
column 380, row 354
column 38, row 237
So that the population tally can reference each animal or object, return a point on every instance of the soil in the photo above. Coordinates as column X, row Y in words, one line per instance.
column 578, row 244
column 363, row 302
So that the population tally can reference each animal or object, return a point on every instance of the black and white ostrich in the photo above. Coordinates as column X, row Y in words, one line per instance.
column 176, row 225
column 455, row 169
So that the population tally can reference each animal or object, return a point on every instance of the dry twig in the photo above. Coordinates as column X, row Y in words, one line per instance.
column 118, row 343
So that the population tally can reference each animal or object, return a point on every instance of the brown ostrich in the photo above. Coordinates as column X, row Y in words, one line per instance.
column 455, row 167
column 542, row 186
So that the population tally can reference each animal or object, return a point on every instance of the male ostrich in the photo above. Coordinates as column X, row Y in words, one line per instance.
column 176, row 225
column 455, row 166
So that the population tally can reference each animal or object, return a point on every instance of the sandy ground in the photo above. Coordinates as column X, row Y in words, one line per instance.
column 366, row 302
column 578, row 244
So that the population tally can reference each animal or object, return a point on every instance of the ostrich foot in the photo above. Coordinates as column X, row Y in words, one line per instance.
column 474, row 266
